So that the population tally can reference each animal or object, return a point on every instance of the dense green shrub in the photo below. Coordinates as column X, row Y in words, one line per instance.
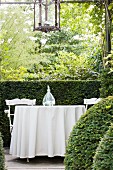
column 103, row 159
column 2, row 157
column 86, row 135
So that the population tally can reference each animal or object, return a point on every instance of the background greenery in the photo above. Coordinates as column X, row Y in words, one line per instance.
column 76, row 52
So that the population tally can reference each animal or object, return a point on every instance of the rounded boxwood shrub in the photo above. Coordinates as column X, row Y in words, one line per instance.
column 2, row 157
column 86, row 135
column 103, row 159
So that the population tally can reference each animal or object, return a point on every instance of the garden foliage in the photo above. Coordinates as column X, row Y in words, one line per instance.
column 74, row 53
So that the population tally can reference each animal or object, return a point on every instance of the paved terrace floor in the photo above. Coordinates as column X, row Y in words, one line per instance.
column 39, row 163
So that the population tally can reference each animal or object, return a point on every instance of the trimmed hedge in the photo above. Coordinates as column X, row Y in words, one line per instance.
column 86, row 135
column 2, row 156
column 65, row 93
column 103, row 159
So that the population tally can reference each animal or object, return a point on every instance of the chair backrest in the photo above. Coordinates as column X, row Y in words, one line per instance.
column 20, row 102
column 91, row 101
column 15, row 102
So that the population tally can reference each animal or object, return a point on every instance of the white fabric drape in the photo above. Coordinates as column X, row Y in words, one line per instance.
column 43, row 130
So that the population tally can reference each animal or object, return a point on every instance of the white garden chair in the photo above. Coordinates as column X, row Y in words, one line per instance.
column 15, row 102
column 91, row 101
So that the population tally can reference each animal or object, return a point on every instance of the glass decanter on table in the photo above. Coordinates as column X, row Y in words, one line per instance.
column 48, row 99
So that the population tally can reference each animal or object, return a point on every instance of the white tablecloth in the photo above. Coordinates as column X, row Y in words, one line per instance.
column 43, row 130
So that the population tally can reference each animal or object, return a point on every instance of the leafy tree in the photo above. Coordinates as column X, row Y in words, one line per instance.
column 22, row 47
column 17, row 41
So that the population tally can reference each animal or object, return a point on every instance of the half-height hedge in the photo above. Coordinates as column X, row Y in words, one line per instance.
column 64, row 92
column 87, row 133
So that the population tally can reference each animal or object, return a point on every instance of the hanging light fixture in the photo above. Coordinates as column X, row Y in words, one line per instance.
column 46, row 15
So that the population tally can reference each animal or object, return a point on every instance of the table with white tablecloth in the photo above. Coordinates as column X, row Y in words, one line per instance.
column 43, row 130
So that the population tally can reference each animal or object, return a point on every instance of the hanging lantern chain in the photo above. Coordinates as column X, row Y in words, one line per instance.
column 45, row 4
